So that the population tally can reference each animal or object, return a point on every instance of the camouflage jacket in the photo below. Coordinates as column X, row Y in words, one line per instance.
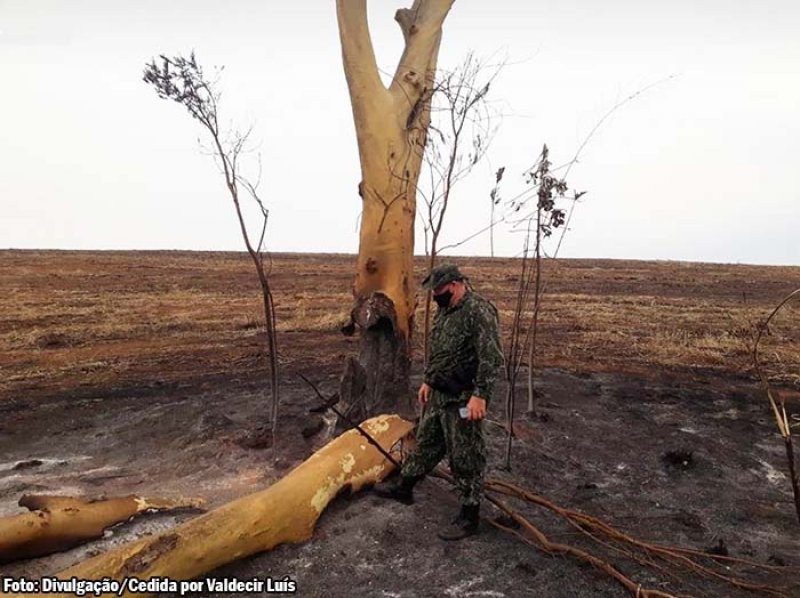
column 465, row 356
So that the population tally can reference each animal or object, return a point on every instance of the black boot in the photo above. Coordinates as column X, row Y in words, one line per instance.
column 399, row 488
column 465, row 524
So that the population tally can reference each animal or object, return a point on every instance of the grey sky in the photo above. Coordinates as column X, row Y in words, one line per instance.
column 702, row 167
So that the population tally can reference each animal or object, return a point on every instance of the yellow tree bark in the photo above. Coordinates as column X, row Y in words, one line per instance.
column 56, row 523
column 285, row 512
column 391, row 128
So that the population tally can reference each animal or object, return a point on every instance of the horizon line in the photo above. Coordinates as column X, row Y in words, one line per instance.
column 416, row 255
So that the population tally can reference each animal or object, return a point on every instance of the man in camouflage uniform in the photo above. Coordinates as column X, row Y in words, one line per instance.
column 459, row 380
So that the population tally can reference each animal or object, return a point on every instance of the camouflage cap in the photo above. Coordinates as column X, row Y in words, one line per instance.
column 442, row 274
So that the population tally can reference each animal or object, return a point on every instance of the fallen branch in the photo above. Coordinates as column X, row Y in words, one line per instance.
column 286, row 512
column 539, row 539
column 615, row 540
column 587, row 524
column 56, row 523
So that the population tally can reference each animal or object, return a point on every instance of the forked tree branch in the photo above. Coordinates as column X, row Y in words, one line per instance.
column 421, row 27
column 358, row 56
column 422, row 30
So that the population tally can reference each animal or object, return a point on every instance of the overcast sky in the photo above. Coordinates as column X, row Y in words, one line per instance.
column 701, row 167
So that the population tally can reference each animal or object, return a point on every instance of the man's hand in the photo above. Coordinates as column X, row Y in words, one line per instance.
column 422, row 395
column 476, row 408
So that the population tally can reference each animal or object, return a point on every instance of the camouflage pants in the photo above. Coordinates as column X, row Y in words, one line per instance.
column 443, row 431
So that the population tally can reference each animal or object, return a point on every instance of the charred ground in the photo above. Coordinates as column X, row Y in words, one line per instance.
column 139, row 372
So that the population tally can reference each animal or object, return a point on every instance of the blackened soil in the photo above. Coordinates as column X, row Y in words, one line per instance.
column 689, row 462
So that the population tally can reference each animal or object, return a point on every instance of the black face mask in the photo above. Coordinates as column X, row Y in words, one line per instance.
column 443, row 299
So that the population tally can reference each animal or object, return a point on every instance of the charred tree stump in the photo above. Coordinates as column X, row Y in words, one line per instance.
column 376, row 381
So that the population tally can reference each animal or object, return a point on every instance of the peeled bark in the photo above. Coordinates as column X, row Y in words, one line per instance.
column 56, row 523
column 285, row 512
column 391, row 128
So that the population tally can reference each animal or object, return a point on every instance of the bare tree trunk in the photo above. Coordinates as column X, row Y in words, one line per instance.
column 272, row 346
column 428, row 298
column 537, row 293
column 391, row 128
column 513, row 354
column 531, row 391
column 491, row 230
column 510, row 401
column 793, row 474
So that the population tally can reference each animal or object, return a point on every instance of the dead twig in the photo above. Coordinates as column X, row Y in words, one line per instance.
column 778, row 406
column 330, row 404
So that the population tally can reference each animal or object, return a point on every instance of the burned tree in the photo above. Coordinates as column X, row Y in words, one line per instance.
column 391, row 128
column 182, row 80
column 462, row 127
column 542, row 221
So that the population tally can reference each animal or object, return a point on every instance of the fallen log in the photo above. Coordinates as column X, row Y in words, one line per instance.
column 56, row 523
column 286, row 512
